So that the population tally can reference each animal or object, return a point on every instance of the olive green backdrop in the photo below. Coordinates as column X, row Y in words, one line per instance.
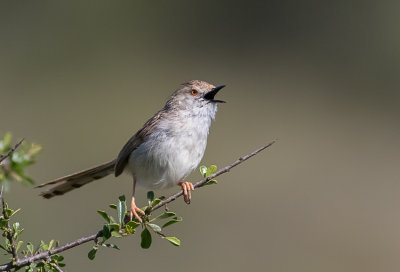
column 80, row 77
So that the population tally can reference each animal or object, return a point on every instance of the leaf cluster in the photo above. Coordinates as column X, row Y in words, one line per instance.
column 122, row 226
column 12, row 168
column 206, row 171
column 13, row 245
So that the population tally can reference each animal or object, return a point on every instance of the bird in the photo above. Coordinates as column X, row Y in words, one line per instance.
column 163, row 153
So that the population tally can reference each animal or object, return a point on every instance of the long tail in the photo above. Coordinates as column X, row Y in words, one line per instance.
column 73, row 181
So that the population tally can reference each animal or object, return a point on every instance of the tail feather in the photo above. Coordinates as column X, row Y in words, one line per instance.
column 76, row 180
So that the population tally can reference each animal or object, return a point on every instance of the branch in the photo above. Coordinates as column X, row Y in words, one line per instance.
column 210, row 177
column 3, row 157
column 44, row 255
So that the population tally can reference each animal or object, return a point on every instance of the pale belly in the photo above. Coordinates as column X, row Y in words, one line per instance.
column 164, row 160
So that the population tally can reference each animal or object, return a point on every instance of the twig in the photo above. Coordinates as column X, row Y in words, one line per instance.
column 47, row 254
column 3, row 157
column 93, row 237
column 57, row 267
column 210, row 177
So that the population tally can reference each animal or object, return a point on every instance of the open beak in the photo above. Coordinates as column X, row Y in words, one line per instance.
column 211, row 94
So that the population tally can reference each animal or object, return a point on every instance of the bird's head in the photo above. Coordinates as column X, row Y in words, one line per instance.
column 196, row 96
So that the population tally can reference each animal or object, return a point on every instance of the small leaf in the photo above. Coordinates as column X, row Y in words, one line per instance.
column 203, row 170
column 29, row 246
column 104, row 215
column 43, row 245
column 211, row 170
column 92, row 253
column 9, row 212
column 211, row 182
column 114, row 227
column 131, row 226
column 173, row 240
column 116, row 234
column 110, row 246
column 106, row 232
column 59, row 258
column 154, row 227
column 164, row 215
column 19, row 245
column 121, row 209
column 113, row 206
column 150, row 197
column 146, row 239
column 3, row 223
column 155, row 202
column 173, row 221
column 51, row 244
column 7, row 140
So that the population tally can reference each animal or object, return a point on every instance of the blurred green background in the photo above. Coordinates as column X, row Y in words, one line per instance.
column 80, row 77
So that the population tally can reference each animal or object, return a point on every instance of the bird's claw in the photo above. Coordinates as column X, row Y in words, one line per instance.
column 135, row 212
column 187, row 188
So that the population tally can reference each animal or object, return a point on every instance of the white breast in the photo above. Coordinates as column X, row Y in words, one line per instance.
column 171, row 152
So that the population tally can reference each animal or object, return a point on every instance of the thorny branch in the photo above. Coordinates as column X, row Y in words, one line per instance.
column 93, row 237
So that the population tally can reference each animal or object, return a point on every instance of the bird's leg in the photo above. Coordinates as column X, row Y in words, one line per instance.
column 134, row 209
column 187, row 187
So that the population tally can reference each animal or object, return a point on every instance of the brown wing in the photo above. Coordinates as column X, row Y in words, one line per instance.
column 135, row 141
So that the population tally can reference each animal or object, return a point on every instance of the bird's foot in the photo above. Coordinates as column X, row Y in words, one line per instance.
column 135, row 211
column 187, row 187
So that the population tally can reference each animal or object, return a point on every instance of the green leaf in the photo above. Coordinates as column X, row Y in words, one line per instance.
column 116, row 234
column 113, row 206
column 43, row 245
column 173, row 221
column 112, row 219
column 92, row 253
column 110, row 246
column 51, row 244
column 106, row 232
column 211, row 182
column 211, row 170
column 203, row 170
column 11, row 212
column 29, row 246
column 150, row 196
column 114, row 227
column 121, row 209
column 104, row 215
column 131, row 226
column 19, row 245
column 155, row 201
column 173, row 240
column 5, row 144
column 146, row 239
column 163, row 216
column 154, row 227
column 3, row 223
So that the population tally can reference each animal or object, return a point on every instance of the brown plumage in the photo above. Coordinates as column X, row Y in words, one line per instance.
column 163, row 152
column 77, row 180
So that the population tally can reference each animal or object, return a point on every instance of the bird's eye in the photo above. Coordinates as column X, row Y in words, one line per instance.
column 194, row 92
